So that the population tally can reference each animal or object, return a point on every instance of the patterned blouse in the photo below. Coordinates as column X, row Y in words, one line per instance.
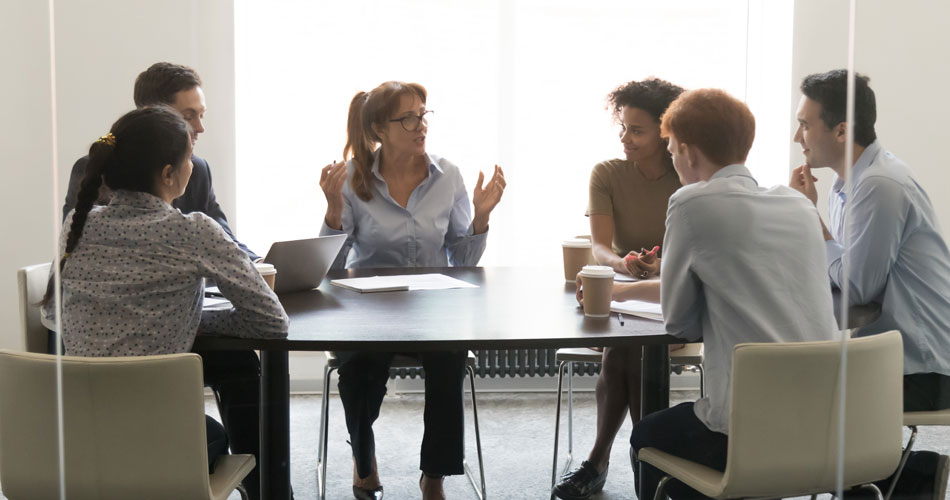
column 133, row 285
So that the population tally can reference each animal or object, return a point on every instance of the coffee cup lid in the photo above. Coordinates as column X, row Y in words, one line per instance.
column 576, row 243
column 597, row 272
column 265, row 268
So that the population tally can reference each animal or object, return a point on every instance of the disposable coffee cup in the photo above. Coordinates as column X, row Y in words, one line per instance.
column 576, row 256
column 268, row 272
column 598, row 282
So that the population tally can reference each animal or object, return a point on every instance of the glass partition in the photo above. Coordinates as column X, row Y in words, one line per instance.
column 519, row 83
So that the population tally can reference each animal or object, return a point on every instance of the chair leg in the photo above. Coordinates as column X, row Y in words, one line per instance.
column 659, row 495
column 557, row 423
column 243, row 492
column 872, row 486
column 702, row 381
column 480, row 484
column 322, row 439
column 570, row 417
column 900, row 466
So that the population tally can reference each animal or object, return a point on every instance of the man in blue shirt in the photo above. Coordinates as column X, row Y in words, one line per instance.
column 897, row 255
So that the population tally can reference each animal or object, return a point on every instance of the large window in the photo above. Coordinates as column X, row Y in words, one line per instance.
column 521, row 83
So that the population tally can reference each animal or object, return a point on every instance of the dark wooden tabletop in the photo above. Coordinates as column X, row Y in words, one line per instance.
column 513, row 307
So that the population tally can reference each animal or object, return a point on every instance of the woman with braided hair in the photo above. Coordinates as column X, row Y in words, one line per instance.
column 132, row 271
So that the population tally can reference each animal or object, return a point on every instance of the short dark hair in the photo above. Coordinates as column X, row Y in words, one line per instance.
column 830, row 89
column 652, row 95
column 161, row 81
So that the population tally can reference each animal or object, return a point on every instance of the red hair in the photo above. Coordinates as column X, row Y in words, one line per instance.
column 721, row 126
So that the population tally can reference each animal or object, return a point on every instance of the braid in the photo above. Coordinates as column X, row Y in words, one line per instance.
column 100, row 155
column 130, row 157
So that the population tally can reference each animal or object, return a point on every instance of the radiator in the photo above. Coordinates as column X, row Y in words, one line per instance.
column 510, row 363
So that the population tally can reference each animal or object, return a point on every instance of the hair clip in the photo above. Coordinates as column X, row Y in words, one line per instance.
column 107, row 139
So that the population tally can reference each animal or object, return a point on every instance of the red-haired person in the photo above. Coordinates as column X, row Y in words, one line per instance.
column 732, row 271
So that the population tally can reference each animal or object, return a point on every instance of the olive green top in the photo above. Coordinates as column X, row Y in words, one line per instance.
column 637, row 204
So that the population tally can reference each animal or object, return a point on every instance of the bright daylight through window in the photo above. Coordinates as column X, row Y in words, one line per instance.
column 521, row 83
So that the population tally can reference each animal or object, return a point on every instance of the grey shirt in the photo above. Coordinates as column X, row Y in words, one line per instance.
column 739, row 266
column 133, row 285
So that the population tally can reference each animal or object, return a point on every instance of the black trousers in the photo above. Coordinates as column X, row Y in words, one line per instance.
column 235, row 378
column 922, row 392
column 217, row 441
column 363, row 377
column 677, row 431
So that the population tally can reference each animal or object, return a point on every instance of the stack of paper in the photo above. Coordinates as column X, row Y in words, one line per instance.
column 647, row 310
column 402, row 283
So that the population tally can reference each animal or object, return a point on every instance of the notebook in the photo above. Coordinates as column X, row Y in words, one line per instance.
column 302, row 264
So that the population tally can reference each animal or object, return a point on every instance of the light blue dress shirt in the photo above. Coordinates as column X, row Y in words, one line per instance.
column 898, row 257
column 738, row 266
column 433, row 230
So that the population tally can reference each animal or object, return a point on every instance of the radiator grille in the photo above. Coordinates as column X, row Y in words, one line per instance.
column 510, row 363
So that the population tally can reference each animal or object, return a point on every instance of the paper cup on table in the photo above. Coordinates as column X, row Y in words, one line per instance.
column 576, row 256
column 268, row 272
column 598, row 283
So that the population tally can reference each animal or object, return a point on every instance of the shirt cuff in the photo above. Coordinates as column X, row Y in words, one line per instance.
column 326, row 230
column 834, row 252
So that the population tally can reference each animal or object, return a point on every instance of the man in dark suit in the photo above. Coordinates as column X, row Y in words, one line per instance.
column 179, row 87
column 233, row 375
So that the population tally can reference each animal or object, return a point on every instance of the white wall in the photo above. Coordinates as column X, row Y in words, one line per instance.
column 902, row 47
column 101, row 46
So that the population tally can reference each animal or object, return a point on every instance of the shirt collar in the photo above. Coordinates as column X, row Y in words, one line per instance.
column 864, row 161
column 433, row 166
column 736, row 169
column 137, row 199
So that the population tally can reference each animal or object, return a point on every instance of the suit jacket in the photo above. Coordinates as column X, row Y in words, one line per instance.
column 198, row 196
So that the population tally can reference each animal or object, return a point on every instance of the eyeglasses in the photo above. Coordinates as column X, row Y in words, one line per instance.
column 411, row 123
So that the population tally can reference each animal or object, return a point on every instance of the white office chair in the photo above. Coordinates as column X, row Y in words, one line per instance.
column 134, row 427
column 689, row 355
column 783, row 420
column 31, row 286
column 399, row 361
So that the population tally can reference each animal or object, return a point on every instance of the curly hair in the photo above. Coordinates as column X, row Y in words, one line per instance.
column 652, row 95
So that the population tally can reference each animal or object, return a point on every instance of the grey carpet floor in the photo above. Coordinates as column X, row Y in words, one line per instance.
column 517, row 431
column 517, row 440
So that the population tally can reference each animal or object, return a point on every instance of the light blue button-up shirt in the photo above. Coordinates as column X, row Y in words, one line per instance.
column 898, row 257
column 738, row 266
column 433, row 230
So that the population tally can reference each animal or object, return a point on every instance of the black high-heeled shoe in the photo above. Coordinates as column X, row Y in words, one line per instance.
column 367, row 494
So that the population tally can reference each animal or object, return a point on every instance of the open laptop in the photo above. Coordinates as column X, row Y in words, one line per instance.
column 302, row 264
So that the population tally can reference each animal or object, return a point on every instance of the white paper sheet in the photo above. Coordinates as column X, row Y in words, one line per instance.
column 647, row 310
column 402, row 282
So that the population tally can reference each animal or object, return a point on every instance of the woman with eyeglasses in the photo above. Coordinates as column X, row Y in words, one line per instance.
column 403, row 207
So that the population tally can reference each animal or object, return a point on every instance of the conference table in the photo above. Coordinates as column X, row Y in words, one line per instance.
column 511, row 308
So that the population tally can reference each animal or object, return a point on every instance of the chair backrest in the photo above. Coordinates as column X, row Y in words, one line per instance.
column 134, row 427
column 783, row 427
column 31, row 286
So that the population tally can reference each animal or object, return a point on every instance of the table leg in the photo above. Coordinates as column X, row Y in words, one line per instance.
column 654, row 393
column 275, row 426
